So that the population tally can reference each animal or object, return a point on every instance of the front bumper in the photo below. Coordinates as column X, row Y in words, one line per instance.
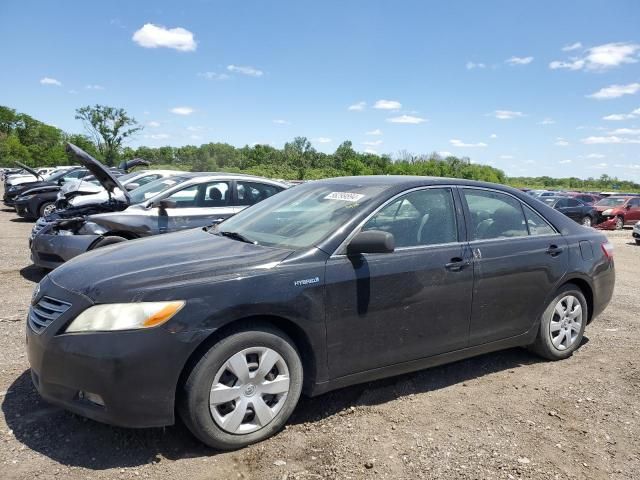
column 22, row 208
column 51, row 251
column 135, row 373
column 606, row 223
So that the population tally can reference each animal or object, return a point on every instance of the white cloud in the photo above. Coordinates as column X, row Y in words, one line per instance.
column 561, row 142
column 377, row 131
column 280, row 121
column 571, row 47
column 154, row 36
column 623, row 116
column 371, row 151
column 600, row 57
column 373, row 143
column 472, row 65
column 195, row 128
column 387, row 105
column 445, row 154
column 506, row 157
column 547, row 121
column 357, row 107
column 214, row 76
column 519, row 60
column 609, row 139
column 94, row 87
column 195, row 137
column 245, row 70
column 407, row 119
column 157, row 136
column 493, row 135
column 615, row 91
column 50, row 81
column 153, row 124
column 625, row 131
column 459, row 143
column 507, row 114
column 182, row 110
column 595, row 155
column 73, row 92
column 322, row 140
column 565, row 161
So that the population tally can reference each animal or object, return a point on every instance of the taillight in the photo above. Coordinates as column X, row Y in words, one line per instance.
column 607, row 249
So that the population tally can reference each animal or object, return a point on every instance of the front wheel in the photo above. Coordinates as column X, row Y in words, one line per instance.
column 586, row 221
column 562, row 324
column 243, row 389
column 619, row 223
column 47, row 208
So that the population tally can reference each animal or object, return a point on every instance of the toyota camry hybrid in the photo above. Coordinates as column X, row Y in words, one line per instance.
column 323, row 285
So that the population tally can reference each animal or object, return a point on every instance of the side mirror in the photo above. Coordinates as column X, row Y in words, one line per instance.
column 371, row 241
column 627, row 207
column 131, row 186
column 166, row 203
column 60, row 181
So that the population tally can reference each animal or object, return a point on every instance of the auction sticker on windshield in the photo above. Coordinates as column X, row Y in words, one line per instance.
column 345, row 196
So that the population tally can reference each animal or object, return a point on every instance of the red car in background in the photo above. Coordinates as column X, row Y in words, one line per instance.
column 617, row 211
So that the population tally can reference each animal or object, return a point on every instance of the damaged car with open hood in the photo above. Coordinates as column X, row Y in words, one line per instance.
column 180, row 202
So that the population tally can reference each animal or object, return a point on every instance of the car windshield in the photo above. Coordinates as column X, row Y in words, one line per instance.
column 301, row 216
column 611, row 202
column 152, row 189
column 56, row 175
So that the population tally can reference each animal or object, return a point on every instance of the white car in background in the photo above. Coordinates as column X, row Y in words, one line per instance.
column 636, row 233
column 25, row 176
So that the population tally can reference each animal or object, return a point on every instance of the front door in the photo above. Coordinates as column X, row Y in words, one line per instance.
column 633, row 212
column 518, row 259
column 389, row 308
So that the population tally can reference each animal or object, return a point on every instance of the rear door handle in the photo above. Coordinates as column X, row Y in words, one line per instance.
column 456, row 264
column 553, row 250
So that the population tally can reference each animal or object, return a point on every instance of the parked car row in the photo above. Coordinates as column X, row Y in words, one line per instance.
column 309, row 289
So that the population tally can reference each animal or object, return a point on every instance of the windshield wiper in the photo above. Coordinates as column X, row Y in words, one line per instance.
column 237, row 236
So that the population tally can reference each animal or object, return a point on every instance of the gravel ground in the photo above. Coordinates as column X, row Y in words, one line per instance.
column 503, row 415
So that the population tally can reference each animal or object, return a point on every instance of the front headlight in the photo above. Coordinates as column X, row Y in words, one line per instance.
column 25, row 197
column 607, row 212
column 124, row 316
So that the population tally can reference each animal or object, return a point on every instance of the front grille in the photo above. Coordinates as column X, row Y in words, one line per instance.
column 46, row 311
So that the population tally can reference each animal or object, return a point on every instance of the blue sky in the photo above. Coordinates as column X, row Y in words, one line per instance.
column 534, row 88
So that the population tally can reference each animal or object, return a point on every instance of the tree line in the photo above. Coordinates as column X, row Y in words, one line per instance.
column 35, row 143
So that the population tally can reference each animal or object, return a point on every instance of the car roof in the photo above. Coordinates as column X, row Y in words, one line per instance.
column 210, row 176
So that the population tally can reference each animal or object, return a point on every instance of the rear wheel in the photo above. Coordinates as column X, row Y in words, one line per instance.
column 562, row 324
column 619, row 223
column 243, row 389
column 586, row 221
column 637, row 242
column 47, row 208
column 106, row 241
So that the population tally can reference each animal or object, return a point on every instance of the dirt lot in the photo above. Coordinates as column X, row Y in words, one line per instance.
column 503, row 415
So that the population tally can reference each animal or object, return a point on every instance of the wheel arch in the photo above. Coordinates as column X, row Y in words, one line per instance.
column 290, row 328
column 587, row 291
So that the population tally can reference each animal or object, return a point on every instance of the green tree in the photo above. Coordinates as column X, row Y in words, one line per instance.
column 109, row 127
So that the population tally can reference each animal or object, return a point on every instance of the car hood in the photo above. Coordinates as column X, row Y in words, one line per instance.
column 102, row 174
column 30, row 170
column 41, row 189
column 135, row 162
column 80, row 186
column 125, row 272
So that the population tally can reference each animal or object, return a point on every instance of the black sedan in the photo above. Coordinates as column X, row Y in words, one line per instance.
column 326, row 284
column 573, row 208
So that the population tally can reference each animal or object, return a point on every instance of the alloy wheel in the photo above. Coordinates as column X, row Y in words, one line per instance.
column 586, row 221
column 619, row 223
column 566, row 323
column 249, row 390
column 48, row 210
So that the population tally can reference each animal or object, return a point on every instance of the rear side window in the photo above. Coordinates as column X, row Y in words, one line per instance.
column 423, row 217
column 494, row 215
column 537, row 225
column 249, row 193
column 572, row 202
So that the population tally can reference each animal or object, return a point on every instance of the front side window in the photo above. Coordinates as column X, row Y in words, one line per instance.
column 572, row 202
column 185, row 198
column 423, row 217
column 494, row 215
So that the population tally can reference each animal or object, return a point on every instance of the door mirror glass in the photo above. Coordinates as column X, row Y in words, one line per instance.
column 371, row 241
column 131, row 186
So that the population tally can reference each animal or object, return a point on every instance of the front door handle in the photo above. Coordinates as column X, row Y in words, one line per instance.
column 456, row 264
column 553, row 250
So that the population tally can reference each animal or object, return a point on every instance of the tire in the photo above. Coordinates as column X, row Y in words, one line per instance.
column 47, row 208
column 214, row 425
column 106, row 241
column 547, row 344
column 638, row 242
column 619, row 223
column 586, row 221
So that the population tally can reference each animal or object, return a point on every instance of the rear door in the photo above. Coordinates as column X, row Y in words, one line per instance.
column 518, row 258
